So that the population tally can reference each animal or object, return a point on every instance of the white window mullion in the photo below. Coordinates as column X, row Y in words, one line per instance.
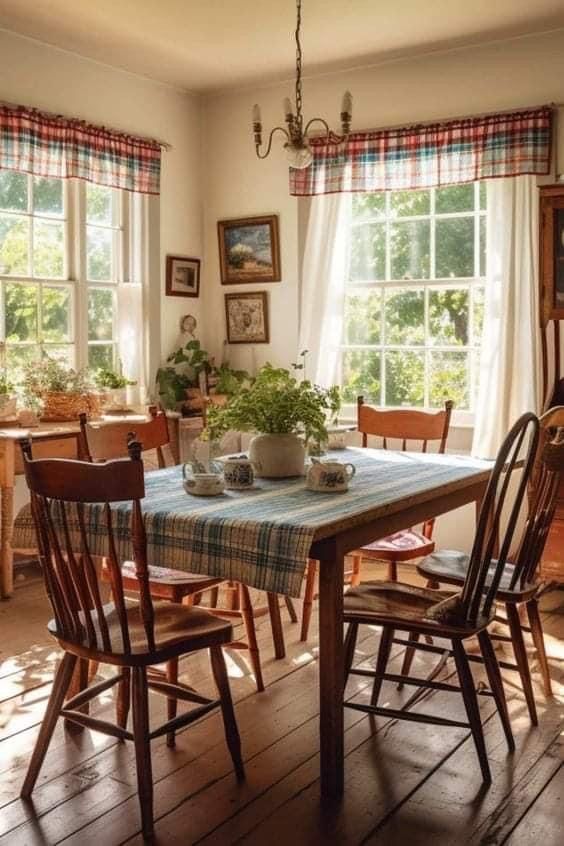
column 80, row 262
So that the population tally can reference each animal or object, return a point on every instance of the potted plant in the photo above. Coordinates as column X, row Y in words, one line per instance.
column 112, row 385
column 8, row 401
column 63, row 392
column 286, row 414
column 181, row 373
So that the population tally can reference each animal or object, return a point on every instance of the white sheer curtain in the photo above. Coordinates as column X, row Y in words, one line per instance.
column 510, row 370
column 323, row 285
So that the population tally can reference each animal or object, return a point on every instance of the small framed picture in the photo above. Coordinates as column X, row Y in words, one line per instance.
column 182, row 276
column 249, row 250
column 247, row 318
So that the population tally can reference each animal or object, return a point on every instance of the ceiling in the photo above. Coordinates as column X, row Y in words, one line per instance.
column 209, row 45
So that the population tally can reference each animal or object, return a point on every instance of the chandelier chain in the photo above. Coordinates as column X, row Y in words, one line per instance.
column 298, row 65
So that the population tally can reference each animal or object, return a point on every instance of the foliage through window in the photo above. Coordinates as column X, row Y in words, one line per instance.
column 63, row 253
column 415, row 297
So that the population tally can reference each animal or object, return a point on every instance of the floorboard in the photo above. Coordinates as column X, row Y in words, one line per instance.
column 405, row 782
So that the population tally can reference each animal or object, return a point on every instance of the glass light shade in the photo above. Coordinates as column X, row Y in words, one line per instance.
column 299, row 157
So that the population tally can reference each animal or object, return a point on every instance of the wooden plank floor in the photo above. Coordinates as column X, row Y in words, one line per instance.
column 406, row 783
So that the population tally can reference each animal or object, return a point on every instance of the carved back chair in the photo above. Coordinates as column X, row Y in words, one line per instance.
column 66, row 498
column 109, row 440
column 457, row 616
column 416, row 430
column 519, row 586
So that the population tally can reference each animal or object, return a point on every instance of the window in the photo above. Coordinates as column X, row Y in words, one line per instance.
column 414, row 297
column 64, row 252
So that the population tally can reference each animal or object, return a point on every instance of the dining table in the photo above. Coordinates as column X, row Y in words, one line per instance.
column 263, row 536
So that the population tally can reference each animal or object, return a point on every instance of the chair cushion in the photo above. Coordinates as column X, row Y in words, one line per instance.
column 451, row 565
column 386, row 602
column 178, row 627
column 401, row 546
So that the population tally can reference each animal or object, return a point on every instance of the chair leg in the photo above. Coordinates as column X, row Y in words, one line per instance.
column 214, row 596
column 249, row 621
column 349, row 648
column 291, row 609
column 538, row 640
column 382, row 662
column 496, row 685
column 172, row 701
column 140, row 703
column 61, row 684
column 356, row 566
column 231, row 731
column 408, row 657
column 471, row 703
column 309, row 592
column 392, row 574
column 276, row 626
column 123, row 698
column 521, row 658
column 79, row 682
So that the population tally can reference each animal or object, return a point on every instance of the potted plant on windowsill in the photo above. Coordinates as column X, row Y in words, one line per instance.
column 112, row 386
column 64, row 393
column 286, row 414
column 8, row 402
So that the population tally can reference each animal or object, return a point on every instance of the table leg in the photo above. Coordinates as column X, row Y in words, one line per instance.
column 331, row 669
column 6, row 553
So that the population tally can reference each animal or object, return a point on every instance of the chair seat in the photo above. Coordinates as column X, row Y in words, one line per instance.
column 401, row 546
column 178, row 629
column 169, row 576
column 450, row 566
column 405, row 606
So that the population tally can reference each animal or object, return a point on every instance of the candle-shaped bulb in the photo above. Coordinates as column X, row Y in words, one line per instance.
column 287, row 106
column 346, row 105
column 256, row 113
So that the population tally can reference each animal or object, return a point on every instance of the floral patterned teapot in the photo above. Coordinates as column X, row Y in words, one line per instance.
column 329, row 476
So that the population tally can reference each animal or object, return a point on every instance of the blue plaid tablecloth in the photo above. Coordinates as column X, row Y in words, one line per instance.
column 261, row 536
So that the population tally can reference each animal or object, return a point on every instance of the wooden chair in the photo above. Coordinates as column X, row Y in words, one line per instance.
column 519, row 587
column 405, row 425
column 129, row 635
column 101, row 442
column 454, row 617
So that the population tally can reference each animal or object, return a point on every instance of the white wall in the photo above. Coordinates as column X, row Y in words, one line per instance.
column 520, row 72
column 35, row 74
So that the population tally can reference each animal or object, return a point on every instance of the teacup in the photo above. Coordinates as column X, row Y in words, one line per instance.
column 238, row 473
column 329, row 476
column 202, row 484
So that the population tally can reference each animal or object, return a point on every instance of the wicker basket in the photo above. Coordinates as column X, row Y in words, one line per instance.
column 58, row 406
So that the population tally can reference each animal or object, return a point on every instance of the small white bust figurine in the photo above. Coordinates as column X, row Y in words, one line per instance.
column 188, row 325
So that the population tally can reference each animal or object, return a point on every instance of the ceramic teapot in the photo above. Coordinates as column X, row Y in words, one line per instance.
column 201, row 483
column 329, row 476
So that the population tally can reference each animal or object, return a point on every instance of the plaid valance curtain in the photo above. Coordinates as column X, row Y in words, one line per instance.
column 54, row 146
column 438, row 154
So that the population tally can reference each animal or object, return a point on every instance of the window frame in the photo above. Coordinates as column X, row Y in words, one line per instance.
column 472, row 284
column 75, row 277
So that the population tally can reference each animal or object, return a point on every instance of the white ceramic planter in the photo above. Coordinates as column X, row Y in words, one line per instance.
column 277, row 456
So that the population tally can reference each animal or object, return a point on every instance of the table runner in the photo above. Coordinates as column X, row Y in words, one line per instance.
column 261, row 536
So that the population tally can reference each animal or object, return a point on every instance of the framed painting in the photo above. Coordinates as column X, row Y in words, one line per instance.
column 182, row 276
column 249, row 250
column 246, row 316
column 552, row 252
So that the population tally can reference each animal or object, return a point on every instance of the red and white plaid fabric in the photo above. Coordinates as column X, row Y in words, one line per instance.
column 439, row 154
column 54, row 146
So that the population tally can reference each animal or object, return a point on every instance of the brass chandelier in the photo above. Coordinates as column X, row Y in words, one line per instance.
column 297, row 139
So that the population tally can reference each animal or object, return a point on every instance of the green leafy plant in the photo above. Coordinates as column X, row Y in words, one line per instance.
column 277, row 403
column 41, row 377
column 6, row 387
column 173, row 381
column 109, row 380
column 229, row 381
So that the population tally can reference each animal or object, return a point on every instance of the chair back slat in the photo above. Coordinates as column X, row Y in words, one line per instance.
column 107, row 441
column 404, row 424
column 547, row 474
column 476, row 599
column 59, row 491
column 92, row 578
